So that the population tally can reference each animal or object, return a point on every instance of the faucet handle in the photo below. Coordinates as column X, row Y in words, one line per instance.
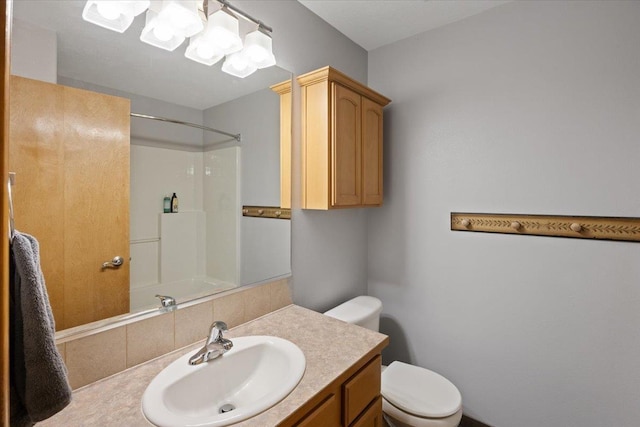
column 217, row 327
column 166, row 301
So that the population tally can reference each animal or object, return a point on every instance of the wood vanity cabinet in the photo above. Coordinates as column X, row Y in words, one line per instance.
column 353, row 400
column 341, row 141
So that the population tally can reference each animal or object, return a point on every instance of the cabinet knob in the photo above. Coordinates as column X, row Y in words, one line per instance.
column 516, row 225
column 466, row 223
column 576, row 227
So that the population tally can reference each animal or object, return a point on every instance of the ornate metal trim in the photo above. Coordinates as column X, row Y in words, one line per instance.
column 579, row 227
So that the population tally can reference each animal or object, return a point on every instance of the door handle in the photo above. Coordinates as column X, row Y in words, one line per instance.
column 114, row 263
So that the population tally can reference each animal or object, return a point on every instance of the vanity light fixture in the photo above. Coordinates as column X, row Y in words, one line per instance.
column 202, row 51
column 113, row 15
column 255, row 55
column 258, row 48
column 223, row 30
column 219, row 38
column 169, row 22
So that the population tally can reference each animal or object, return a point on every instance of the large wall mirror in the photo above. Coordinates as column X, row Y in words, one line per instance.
column 206, row 247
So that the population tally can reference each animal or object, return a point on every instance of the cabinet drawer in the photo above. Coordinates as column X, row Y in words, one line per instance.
column 372, row 417
column 361, row 389
column 327, row 414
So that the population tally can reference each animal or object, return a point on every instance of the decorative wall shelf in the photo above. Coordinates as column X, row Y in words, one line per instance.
column 266, row 212
column 579, row 227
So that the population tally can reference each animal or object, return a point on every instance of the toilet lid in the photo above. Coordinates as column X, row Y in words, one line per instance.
column 420, row 391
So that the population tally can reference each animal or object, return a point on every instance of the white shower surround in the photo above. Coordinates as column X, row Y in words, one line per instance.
column 207, row 221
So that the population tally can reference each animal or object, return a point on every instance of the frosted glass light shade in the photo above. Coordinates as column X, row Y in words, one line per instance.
column 223, row 30
column 113, row 15
column 238, row 65
column 159, row 33
column 202, row 51
column 182, row 16
column 258, row 49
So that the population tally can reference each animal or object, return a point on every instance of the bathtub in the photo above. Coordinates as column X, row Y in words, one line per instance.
column 183, row 290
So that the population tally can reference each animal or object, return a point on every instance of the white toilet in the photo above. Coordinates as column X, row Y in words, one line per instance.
column 412, row 396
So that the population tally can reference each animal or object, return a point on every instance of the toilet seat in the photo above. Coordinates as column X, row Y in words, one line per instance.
column 420, row 392
column 398, row 418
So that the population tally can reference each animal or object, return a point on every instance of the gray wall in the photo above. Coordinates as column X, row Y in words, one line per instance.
column 532, row 107
column 33, row 52
column 329, row 262
column 149, row 132
column 265, row 244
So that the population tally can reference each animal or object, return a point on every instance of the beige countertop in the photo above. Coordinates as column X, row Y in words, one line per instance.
column 329, row 345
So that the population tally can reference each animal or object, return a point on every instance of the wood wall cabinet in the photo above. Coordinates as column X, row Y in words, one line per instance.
column 353, row 400
column 70, row 151
column 342, row 141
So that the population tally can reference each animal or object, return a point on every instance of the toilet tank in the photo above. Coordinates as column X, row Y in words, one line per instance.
column 363, row 311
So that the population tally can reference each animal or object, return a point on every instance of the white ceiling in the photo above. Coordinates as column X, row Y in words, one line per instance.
column 121, row 61
column 376, row 23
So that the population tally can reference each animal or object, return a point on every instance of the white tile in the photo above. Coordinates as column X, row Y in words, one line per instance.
column 159, row 172
column 144, row 264
column 222, row 206
column 179, row 245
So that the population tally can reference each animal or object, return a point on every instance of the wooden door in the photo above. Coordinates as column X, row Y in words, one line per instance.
column 371, row 153
column 346, row 146
column 96, row 205
column 70, row 151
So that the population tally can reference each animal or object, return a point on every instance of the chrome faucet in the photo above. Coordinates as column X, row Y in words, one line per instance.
column 167, row 303
column 216, row 345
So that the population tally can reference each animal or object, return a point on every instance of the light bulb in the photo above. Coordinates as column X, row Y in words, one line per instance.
column 222, row 38
column 237, row 65
column 108, row 10
column 238, row 62
column 222, row 29
column 201, row 50
column 162, row 32
column 113, row 15
column 205, row 50
column 257, row 49
column 256, row 54
column 180, row 18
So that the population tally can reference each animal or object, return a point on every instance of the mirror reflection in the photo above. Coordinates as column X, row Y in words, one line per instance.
column 207, row 245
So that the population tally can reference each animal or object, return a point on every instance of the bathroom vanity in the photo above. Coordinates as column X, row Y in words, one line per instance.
column 340, row 386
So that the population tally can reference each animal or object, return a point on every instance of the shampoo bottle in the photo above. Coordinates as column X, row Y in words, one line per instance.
column 166, row 204
column 174, row 203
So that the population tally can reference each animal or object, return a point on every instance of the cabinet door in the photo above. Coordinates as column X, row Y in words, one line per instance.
column 372, row 417
column 371, row 153
column 346, row 146
column 361, row 389
column 325, row 415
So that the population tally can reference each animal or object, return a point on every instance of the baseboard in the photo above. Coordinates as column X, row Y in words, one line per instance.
column 470, row 422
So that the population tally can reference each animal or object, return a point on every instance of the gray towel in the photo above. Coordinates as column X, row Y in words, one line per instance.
column 38, row 377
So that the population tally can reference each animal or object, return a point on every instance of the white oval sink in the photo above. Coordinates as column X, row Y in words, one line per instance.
column 257, row 373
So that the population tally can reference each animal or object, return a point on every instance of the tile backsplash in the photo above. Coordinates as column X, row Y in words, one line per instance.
column 105, row 353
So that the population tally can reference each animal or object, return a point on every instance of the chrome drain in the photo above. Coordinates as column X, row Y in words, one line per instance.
column 226, row 408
